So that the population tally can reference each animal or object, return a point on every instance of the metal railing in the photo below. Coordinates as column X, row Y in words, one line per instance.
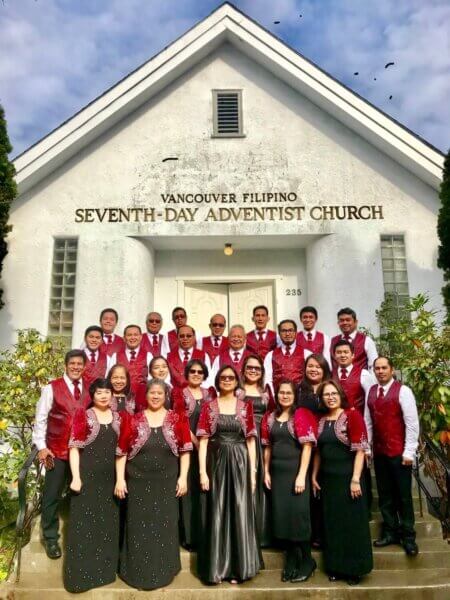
column 28, row 507
column 432, row 463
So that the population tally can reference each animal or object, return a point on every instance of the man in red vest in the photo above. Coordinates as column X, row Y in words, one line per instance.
column 186, row 351
column 364, row 347
column 134, row 357
column 261, row 340
column 179, row 318
column 311, row 339
column 288, row 360
column 234, row 355
column 355, row 380
column 393, row 428
column 108, row 322
column 215, row 343
column 51, row 432
column 153, row 341
column 96, row 357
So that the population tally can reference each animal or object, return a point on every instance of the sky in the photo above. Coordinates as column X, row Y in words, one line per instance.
column 58, row 55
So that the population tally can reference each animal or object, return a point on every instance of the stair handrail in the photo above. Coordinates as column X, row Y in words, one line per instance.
column 441, row 506
column 27, row 508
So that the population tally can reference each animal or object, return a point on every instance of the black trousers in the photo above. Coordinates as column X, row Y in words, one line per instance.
column 395, row 498
column 54, row 484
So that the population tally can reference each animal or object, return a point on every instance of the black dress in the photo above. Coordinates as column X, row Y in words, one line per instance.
column 262, row 496
column 150, row 555
column 290, row 511
column 190, row 513
column 92, row 549
column 229, row 547
column 347, row 548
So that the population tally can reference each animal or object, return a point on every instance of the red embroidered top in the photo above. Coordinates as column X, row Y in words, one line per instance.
column 85, row 427
column 350, row 429
column 301, row 425
column 183, row 400
column 209, row 415
column 135, row 431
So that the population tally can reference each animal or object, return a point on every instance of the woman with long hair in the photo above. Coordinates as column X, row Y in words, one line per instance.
column 288, row 435
column 338, row 464
column 229, row 546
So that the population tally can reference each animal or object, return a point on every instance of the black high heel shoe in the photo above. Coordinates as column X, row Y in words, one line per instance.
column 305, row 572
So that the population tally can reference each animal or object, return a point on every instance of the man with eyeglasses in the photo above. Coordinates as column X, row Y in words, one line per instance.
column 153, row 341
column 215, row 343
column 261, row 340
column 186, row 351
column 234, row 355
column 288, row 360
column 179, row 318
column 134, row 357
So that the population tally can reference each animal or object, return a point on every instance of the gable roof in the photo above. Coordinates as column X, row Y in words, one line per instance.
column 228, row 24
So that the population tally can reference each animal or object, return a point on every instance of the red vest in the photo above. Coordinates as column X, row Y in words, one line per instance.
column 176, row 366
column 93, row 372
column 292, row 367
column 59, row 421
column 261, row 347
column 387, row 421
column 213, row 351
column 360, row 359
column 352, row 387
column 316, row 346
column 138, row 369
column 225, row 359
column 172, row 338
column 118, row 345
column 147, row 343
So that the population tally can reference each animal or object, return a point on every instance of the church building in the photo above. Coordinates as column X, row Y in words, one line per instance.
column 225, row 172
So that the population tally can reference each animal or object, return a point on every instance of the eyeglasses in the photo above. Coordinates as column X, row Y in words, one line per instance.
column 154, row 321
column 227, row 378
column 287, row 330
column 183, row 336
column 252, row 368
column 330, row 395
column 217, row 324
column 196, row 372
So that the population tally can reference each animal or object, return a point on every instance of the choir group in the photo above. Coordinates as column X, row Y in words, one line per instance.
column 225, row 445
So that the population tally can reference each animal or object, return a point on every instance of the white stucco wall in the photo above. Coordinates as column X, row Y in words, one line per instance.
column 290, row 145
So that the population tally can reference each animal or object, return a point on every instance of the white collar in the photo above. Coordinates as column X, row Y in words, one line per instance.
column 292, row 348
column 128, row 351
column 69, row 382
column 348, row 369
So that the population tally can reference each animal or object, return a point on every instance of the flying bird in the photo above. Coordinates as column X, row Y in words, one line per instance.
column 276, row 22
column 169, row 158
column 374, row 78
column 389, row 64
column 390, row 97
column 356, row 73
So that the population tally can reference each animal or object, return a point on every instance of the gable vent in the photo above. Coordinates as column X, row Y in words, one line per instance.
column 227, row 113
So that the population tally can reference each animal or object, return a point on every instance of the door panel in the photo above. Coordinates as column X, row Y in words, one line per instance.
column 202, row 300
column 243, row 297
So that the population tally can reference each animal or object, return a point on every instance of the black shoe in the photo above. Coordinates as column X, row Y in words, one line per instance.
column 353, row 580
column 334, row 578
column 386, row 540
column 411, row 548
column 305, row 572
column 53, row 549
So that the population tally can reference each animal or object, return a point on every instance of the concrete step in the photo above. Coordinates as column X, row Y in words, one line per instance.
column 415, row 584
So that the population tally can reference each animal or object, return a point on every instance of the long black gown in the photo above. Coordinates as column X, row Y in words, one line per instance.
column 290, row 511
column 347, row 548
column 262, row 497
column 150, row 555
column 190, row 512
column 92, row 549
column 229, row 548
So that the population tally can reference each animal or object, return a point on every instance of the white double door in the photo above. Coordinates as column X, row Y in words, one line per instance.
column 233, row 300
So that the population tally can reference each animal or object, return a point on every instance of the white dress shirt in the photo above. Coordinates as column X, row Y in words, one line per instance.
column 369, row 348
column 216, row 365
column 113, row 357
column 264, row 332
column 164, row 344
column 410, row 417
column 43, row 407
column 268, row 378
column 367, row 379
column 97, row 353
column 326, row 343
column 211, row 337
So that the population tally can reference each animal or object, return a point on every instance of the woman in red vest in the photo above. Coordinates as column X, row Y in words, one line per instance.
column 189, row 401
column 229, row 545
column 152, row 468
column 338, row 465
column 288, row 436
column 92, row 549
column 262, row 401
